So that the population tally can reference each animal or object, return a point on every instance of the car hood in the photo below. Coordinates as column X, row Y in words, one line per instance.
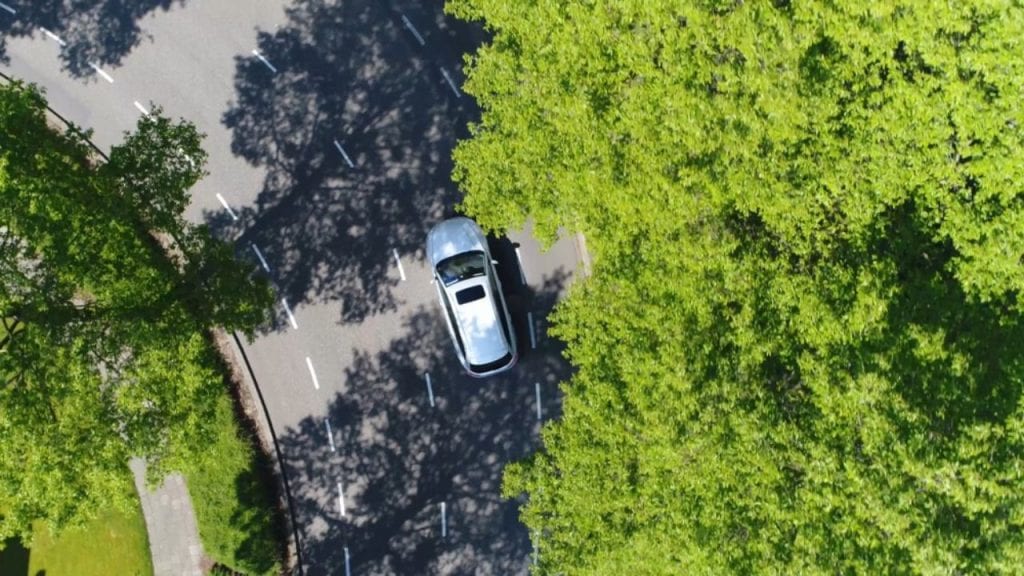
column 452, row 237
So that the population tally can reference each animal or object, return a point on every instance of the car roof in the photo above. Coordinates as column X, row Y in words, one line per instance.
column 478, row 322
column 454, row 236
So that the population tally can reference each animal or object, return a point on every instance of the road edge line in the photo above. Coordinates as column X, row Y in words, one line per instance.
column 245, row 382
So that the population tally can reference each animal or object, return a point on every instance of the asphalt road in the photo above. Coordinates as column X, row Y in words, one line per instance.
column 330, row 128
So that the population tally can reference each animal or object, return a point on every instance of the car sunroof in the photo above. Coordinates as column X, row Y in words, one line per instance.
column 469, row 294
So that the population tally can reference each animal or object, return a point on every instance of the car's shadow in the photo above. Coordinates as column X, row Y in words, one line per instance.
column 518, row 294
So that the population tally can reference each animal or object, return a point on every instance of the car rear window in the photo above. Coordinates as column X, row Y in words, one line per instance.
column 469, row 294
column 499, row 363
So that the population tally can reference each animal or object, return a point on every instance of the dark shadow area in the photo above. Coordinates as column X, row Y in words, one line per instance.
column 398, row 459
column 14, row 558
column 100, row 32
column 349, row 75
column 258, row 514
column 445, row 39
column 255, row 512
column 985, row 339
column 957, row 360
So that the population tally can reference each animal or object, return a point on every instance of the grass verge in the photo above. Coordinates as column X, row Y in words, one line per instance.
column 114, row 542
column 234, row 504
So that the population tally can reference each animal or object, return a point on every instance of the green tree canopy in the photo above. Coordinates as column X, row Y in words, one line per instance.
column 103, row 353
column 801, row 347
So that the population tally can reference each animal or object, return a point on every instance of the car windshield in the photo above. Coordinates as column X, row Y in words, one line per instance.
column 461, row 267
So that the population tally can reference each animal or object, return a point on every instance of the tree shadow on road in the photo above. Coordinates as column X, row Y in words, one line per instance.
column 100, row 32
column 398, row 459
column 351, row 85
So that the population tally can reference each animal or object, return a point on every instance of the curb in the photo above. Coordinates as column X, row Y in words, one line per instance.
column 580, row 242
column 251, row 398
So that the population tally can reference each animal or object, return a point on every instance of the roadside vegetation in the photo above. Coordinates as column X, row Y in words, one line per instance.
column 234, row 504
column 114, row 542
column 801, row 349
column 113, row 295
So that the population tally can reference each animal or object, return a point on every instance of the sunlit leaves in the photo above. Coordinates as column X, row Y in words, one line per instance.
column 803, row 326
column 155, row 167
column 107, row 357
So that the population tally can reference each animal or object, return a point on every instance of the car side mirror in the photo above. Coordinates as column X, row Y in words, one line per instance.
column 493, row 261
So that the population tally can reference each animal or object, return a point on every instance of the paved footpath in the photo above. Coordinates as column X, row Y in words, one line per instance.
column 171, row 523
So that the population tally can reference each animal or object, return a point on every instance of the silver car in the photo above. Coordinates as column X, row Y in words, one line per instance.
column 471, row 297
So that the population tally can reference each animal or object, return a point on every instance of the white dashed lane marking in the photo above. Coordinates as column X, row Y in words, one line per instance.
column 288, row 311
column 263, row 261
column 330, row 434
column 451, row 83
column 344, row 154
column 414, row 31
column 224, row 203
column 430, row 390
column 401, row 271
column 257, row 54
column 54, row 37
column 312, row 373
column 341, row 500
column 8, row 8
column 533, row 334
column 444, row 520
column 536, row 387
column 100, row 71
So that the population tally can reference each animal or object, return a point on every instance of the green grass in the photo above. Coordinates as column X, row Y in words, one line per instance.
column 234, row 506
column 114, row 543
column 235, row 510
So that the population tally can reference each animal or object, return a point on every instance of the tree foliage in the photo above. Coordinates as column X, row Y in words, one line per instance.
column 801, row 347
column 103, row 355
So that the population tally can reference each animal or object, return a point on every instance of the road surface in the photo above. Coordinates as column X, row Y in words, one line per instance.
column 330, row 129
